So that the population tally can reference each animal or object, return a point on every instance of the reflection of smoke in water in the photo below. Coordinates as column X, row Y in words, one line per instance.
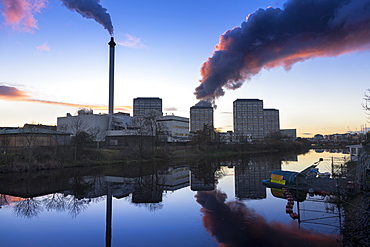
column 233, row 224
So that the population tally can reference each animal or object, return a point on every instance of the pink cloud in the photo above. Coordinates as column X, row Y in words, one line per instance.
column 43, row 47
column 14, row 94
column 19, row 14
column 133, row 42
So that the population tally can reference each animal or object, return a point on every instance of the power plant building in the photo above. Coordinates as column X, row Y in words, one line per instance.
column 144, row 106
column 200, row 115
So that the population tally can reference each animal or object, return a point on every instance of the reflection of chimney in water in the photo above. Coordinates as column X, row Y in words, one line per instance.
column 111, row 44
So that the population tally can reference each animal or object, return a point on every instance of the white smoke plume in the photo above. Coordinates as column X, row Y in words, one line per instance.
column 274, row 37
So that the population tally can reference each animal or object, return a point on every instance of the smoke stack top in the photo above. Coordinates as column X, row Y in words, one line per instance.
column 91, row 9
column 111, row 42
column 272, row 37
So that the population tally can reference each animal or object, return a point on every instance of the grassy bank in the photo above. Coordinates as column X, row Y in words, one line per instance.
column 31, row 159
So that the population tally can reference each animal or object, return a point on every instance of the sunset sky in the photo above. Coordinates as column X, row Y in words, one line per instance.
column 54, row 61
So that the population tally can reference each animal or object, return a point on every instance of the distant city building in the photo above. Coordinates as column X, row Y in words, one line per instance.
column 318, row 137
column 271, row 121
column 226, row 136
column 146, row 106
column 291, row 133
column 39, row 126
column 201, row 114
column 177, row 128
column 248, row 119
column 32, row 137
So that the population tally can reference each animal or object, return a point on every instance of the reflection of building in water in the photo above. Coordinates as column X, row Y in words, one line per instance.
column 96, row 186
column 149, row 189
column 203, row 177
column 144, row 189
column 248, row 177
column 175, row 178
column 147, row 193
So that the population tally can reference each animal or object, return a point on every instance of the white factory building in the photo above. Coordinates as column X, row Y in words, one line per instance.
column 175, row 128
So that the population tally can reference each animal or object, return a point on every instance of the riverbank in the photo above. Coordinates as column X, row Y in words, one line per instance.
column 357, row 223
column 33, row 159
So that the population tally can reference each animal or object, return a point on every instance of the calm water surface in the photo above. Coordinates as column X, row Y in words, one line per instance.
column 218, row 203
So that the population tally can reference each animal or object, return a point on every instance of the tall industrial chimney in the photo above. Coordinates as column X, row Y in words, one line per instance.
column 111, row 44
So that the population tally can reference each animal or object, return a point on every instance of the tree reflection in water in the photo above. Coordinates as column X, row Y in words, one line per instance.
column 77, row 206
column 55, row 202
column 28, row 208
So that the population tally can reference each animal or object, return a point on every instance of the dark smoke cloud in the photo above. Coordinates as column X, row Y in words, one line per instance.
column 203, row 103
column 233, row 224
column 91, row 9
column 273, row 37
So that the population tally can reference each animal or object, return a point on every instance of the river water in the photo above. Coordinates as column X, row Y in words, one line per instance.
column 208, row 203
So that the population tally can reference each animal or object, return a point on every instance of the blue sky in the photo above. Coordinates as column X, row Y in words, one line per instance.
column 161, row 48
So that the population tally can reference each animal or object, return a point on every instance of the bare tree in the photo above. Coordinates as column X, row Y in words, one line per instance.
column 98, row 134
column 150, row 126
column 78, row 125
column 29, row 137
column 366, row 103
column 5, row 142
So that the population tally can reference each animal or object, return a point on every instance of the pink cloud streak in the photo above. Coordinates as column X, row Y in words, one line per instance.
column 13, row 94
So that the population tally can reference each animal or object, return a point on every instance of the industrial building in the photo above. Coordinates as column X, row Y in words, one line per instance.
column 177, row 128
column 248, row 119
column 145, row 106
column 121, row 128
column 200, row 115
column 290, row 133
column 271, row 121
column 251, row 121
column 31, row 137
column 96, row 125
